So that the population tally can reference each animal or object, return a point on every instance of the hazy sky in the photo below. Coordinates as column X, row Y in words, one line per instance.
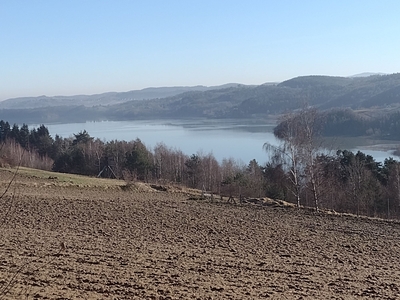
column 71, row 47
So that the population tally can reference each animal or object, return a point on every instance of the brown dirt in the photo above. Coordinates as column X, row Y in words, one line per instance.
column 108, row 241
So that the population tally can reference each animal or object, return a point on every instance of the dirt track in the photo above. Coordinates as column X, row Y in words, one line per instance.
column 71, row 242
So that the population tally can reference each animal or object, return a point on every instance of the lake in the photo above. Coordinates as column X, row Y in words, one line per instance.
column 240, row 139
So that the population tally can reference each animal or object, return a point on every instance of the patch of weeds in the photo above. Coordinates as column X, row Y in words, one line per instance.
column 128, row 186
column 159, row 187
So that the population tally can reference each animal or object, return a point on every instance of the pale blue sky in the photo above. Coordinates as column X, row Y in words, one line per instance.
column 72, row 47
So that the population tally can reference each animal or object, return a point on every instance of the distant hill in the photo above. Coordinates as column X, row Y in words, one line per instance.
column 229, row 101
column 109, row 98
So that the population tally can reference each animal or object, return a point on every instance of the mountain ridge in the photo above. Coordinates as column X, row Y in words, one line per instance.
column 107, row 98
column 227, row 101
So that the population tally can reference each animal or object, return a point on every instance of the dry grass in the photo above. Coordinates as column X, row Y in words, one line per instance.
column 69, row 179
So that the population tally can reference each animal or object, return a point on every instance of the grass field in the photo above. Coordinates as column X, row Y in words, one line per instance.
column 73, row 237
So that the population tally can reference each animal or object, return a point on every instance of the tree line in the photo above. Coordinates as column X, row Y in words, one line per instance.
column 299, row 170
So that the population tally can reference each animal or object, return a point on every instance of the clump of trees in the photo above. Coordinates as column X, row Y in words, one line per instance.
column 299, row 170
column 31, row 148
column 344, row 181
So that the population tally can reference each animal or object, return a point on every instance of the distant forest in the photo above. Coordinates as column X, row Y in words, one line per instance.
column 346, row 122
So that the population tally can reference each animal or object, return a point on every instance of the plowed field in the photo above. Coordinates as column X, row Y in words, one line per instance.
column 75, row 238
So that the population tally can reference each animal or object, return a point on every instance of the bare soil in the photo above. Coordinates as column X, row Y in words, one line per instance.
column 60, row 239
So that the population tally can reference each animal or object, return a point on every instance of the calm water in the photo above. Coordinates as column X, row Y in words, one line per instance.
column 224, row 139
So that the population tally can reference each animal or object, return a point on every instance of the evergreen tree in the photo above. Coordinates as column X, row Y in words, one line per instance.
column 139, row 160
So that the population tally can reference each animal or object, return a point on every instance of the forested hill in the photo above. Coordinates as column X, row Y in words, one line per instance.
column 232, row 101
column 109, row 98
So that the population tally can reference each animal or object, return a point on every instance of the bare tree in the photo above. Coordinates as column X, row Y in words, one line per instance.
column 210, row 170
column 169, row 164
column 309, row 131
column 392, row 168
column 298, row 150
column 288, row 153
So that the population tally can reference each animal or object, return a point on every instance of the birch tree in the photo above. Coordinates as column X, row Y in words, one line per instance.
column 298, row 149
column 288, row 152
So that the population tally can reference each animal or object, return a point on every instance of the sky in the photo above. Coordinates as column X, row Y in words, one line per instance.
column 55, row 47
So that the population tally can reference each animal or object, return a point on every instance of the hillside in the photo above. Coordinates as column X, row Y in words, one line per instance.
column 68, row 237
column 231, row 101
column 109, row 98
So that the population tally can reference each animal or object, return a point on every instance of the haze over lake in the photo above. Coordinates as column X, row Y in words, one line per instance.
column 240, row 139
